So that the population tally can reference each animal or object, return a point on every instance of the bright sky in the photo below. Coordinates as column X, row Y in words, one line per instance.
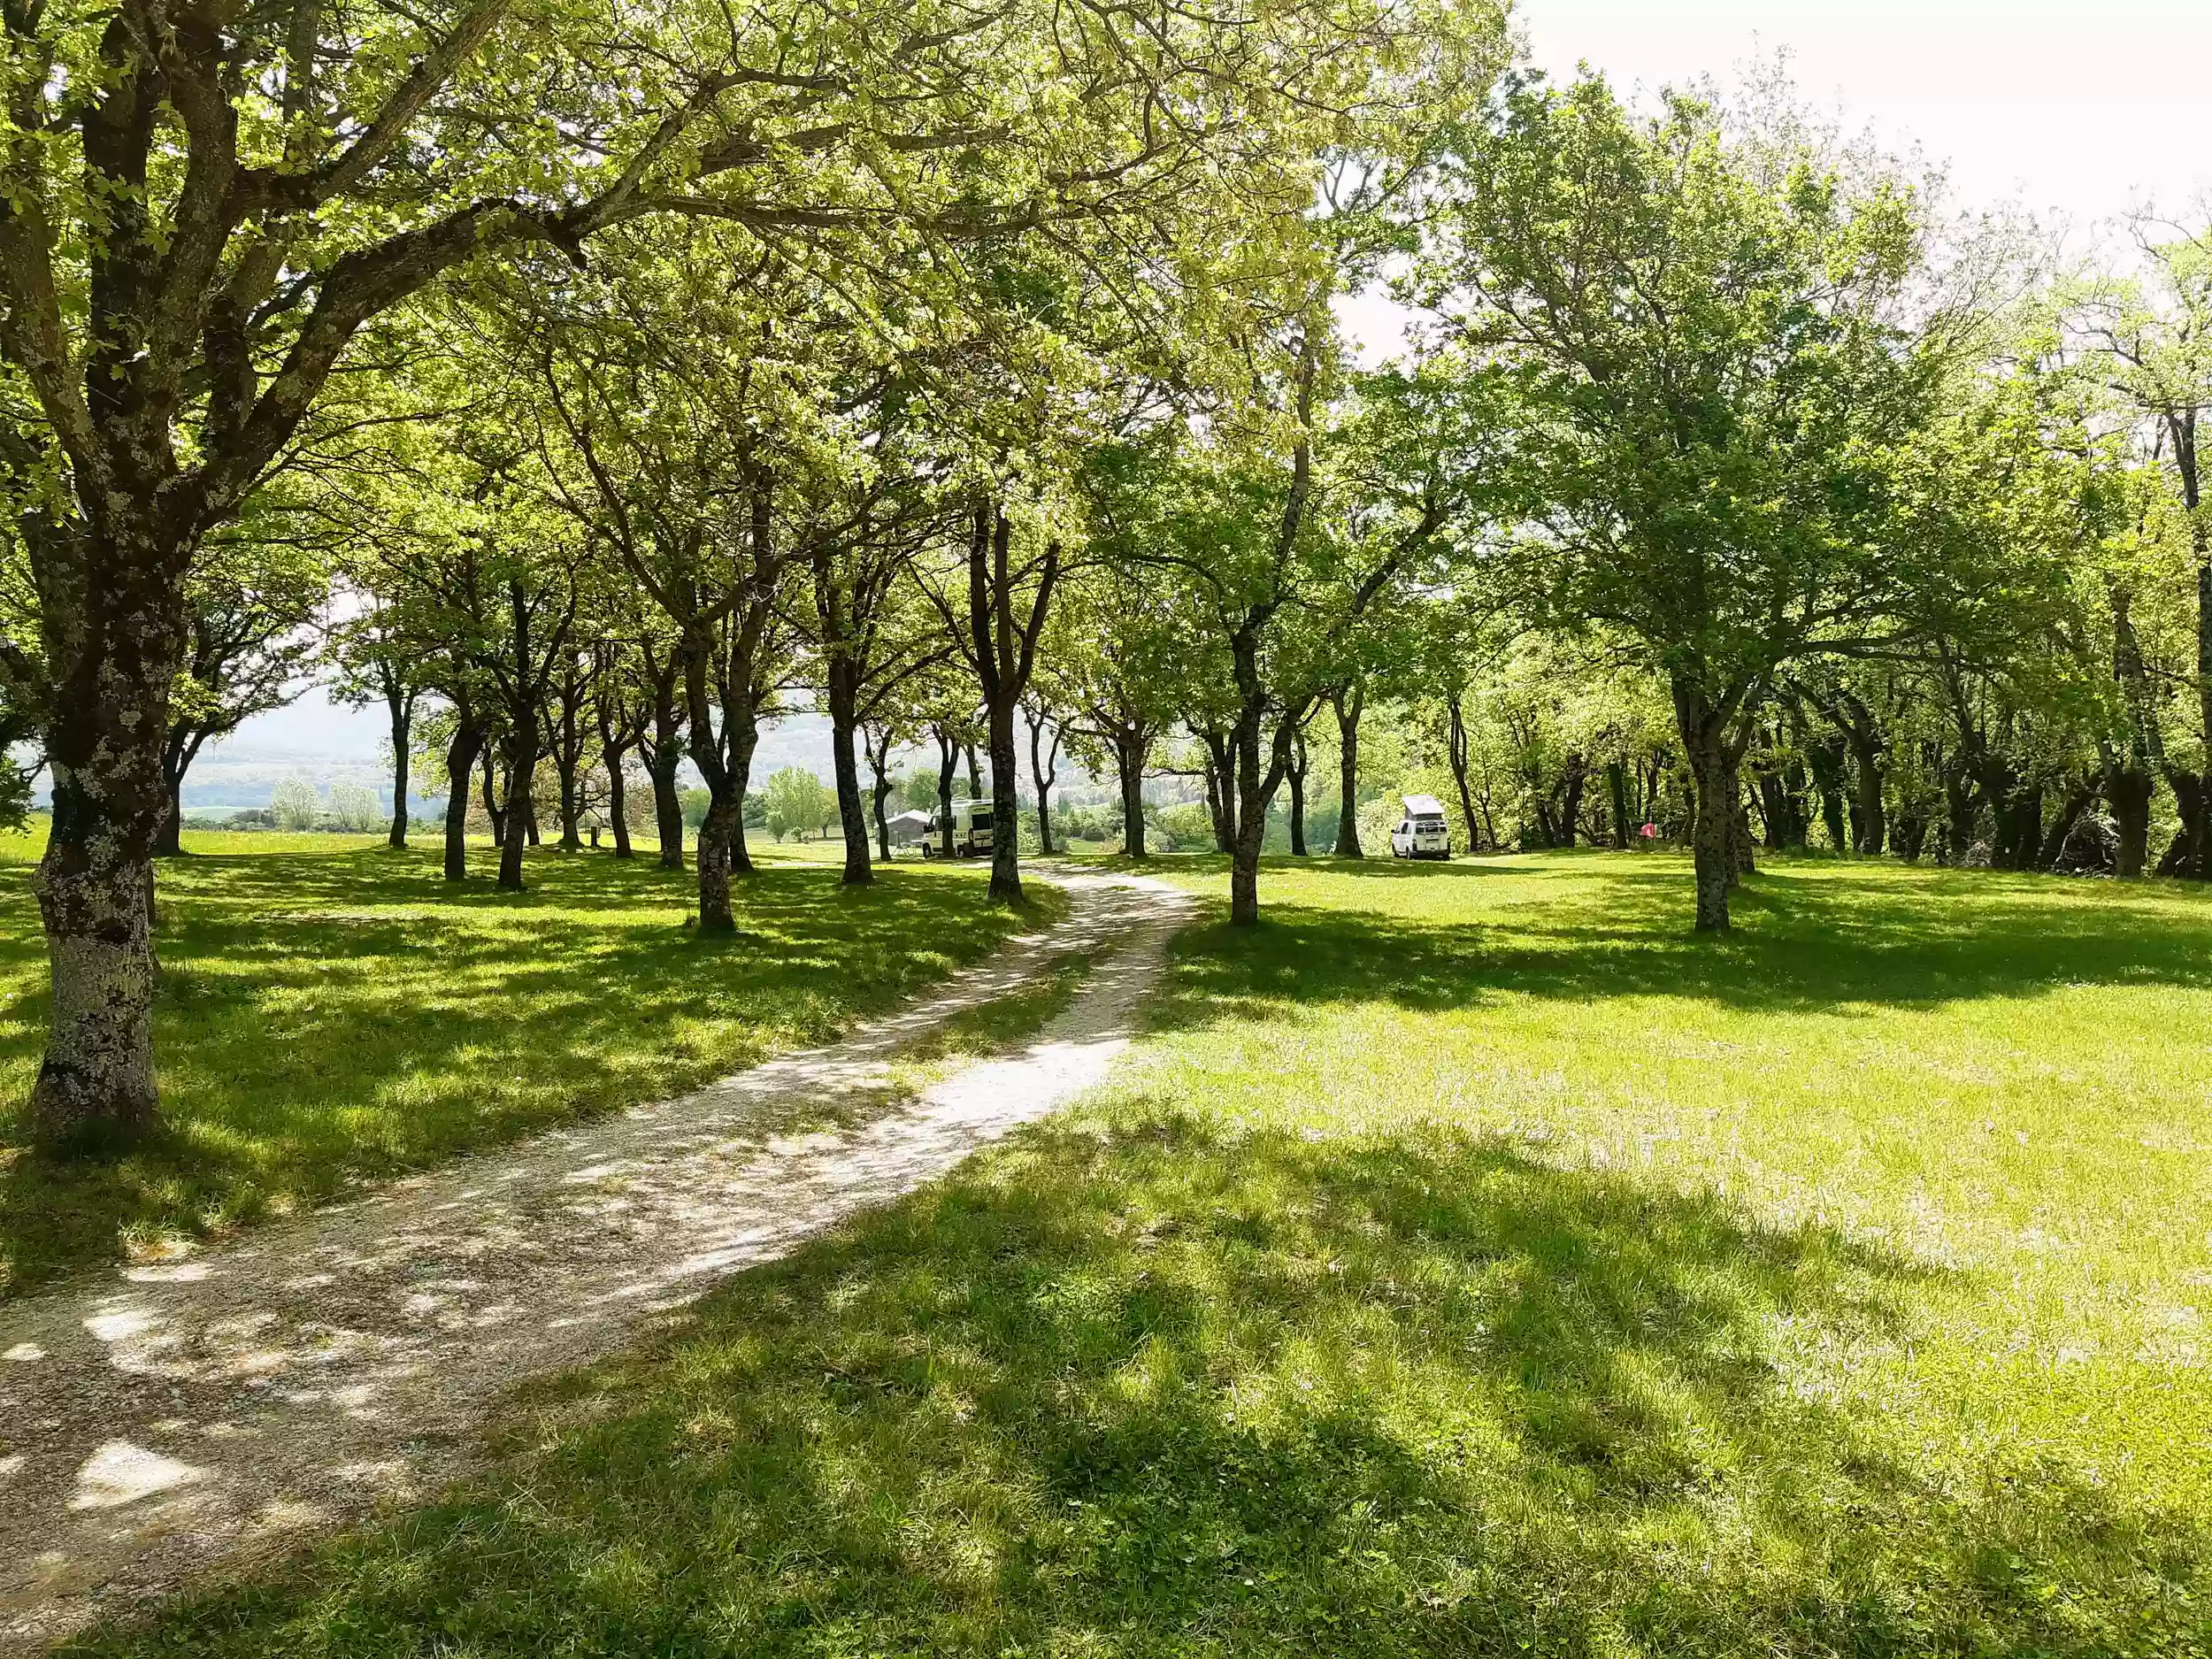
column 2078, row 113
column 2080, row 110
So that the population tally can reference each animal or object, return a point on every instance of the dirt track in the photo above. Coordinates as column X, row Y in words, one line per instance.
column 162, row 1422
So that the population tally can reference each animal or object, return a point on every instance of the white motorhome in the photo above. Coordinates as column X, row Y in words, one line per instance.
column 1422, row 832
column 971, row 831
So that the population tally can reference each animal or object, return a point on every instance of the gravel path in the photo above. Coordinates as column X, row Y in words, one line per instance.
column 163, row 1421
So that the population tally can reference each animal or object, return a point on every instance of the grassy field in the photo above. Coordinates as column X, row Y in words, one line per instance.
column 1469, row 1263
column 331, row 1013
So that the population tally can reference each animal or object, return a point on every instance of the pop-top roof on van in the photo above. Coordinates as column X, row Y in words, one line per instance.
column 1424, row 806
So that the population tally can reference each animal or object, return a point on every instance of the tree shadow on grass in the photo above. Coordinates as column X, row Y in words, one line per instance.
column 324, row 1020
column 1824, row 942
column 1132, row 1387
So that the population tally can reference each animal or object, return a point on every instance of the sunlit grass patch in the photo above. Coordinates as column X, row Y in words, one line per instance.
column 1468, row 1263
column 332, row 1012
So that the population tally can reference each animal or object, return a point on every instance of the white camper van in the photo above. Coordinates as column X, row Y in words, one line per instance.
column 1422, row 832
column 971, row 831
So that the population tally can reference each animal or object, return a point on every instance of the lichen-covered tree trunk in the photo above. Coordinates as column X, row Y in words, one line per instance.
column 106, row 724
column 715, row 832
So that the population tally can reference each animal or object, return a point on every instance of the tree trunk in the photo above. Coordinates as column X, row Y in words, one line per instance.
column 1129, row 750
column 104, row 732
column 1044, row 774
column 1244, row 877
column 2182, row 428
column 1256, row 783
column 668, row 802
column 403, row 712
column 744, row 742
column 1006, row 813
column 460, row 760
column 1742, row 860
column 618, row 800
column 1571, row 810
column 1456, row 748
column 1962, row 810
column 852, row 815
column 495, row 796
column 1702, row 728
column 521, row 819
column 169, row 842
column 1295, row 775
column 663, row 759
column 1617, row 790
column 948, row 768
column 572, row 811
column 2016, row 817
column 1349, row 705
column 714, row 868
column 1871, row 817
column 2128, row 788
column 1827, row 764
column 2060, row 829
column 177, row 753
column 96, row 1088
column 1221, row 789
column 2180, row 857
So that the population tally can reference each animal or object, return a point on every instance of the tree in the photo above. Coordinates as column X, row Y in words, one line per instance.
column 296, row 804
column 2151, row 337
column 1008, row 601
column 1711, row 325
column 202, row 216
column 1044, row 765
column 353, row 807
column 622, row 708
column 1113, row 664
column 374, row 659
column 797, row 799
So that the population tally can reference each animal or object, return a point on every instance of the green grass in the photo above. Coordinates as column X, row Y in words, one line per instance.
column 1469, row 1264
column 331, row 1013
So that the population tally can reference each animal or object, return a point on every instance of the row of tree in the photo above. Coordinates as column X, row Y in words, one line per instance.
column 601, row 386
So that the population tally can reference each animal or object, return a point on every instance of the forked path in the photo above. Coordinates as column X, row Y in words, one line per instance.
column 166, row 1419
